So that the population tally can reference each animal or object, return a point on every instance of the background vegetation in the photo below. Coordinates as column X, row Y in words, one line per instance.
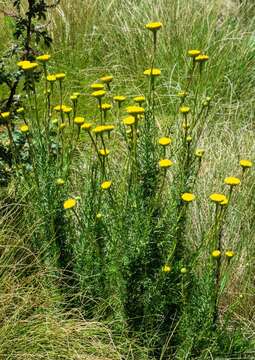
column 74, row 310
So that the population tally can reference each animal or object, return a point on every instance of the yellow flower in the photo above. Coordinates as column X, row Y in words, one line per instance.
column 67, row 109
column 129, row 120
column 51, row 78
column 78, row 120
column 106, row 185
column 119, row 98
column 152, row 72
column 29, row 66
column 108, row 128
column 217, row 198
column 164, row 141
column 194, row 53
column 188, row 197
column 165, row 163
column 139, row 99
column 199, row 153
column 189, row 139
column 166, row 268
column 182, row 94
column 201, row 58
column 54, row 121
column 135, row 110
column 20, row 110
column 104, row 152
column 232, row 181
column 24, row 128
column 60, row 182
column 59, row 107
column 229, row 254
column 60, row 76
column 103, row 128
column 62, row 126
column 77, row 94
column 105, row 107
column 154, row 26
column 97, row 86
column 99, row 216
column 43, row 58
column 184, row 109
column 216, row 254
column 185, row 126
column 5, row 115
column 224, row 202
column 183, row 270
column 245, row 164
column 73, row 97
column 69, row 203
column 107, row 79
column 86, row 126
column 98, row 94
column 22, row 63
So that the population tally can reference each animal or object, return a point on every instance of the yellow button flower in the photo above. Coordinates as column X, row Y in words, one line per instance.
column 182, row 94
column 20, row 110
column 60, row 76
column 60, row 182
column 5, row 115
column 78, row 120
column 86, row 126
column 51, row 78
column 105, row 107
column 97, row 86
column 98, row 94
column 245, row 164
column 106, row 185
column 104, row 152
column 154, row 26
column 216, row 254
column 164, row 141
column 24, row 128
column 188, row 197
column 107, row 79
column 183, row 270
column 62, row 126
column 22, row 63
column 232, row 181
column 229, row 254
column 189, row 139
column 59, row 107
column 217, row 198
column 67, row 109
column 43, row 58
column 165, row 163
column 166, row 268
column 202, row 58
column 135, row 110
column 184, row 109
column 139, row 99
column 69, row 203
column 129, row 120
column 194, row 53
column 29, row 66
column 199, row 153
column 119, row 98
column 152, row 72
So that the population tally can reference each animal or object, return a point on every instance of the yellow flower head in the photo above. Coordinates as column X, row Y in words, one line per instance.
column 164, row 141
column 183, row 270
column 73, row 98
column 202, row 58
column 119, row 98
column 216, row 254
column 229, row 254
column 29, row 66
column 97, row 86
column 59, row 107
column 51, row 78
column 86, row 126
column 165, row 163
column 135, row 110
column 129, row 120
column 5, row 115
column 152, row 72
column 189, row 139
column 67, row 109
column 194, row 53
column 24, row 128
column 166, row 268
column 106, row 185
column 105, row 107
column 78, row 120
column 154, row 26
column 103, row 128
column 69, row 203
column 60, row 182
column 188, row 197
column 60, row 76
column 232, row 181
column 217, row 198
column 108, row 128
column 62, row 126
column 139, row 99
column 43, row 58
column 77, row 94
column 104, row 152
column 99, row 216
column 98, row 94
column 20, row 110
column 107, row 79
column 182, row 94
column 22, row 63
column 184, row 109
column 245, row 164
column 224, row 202
column 199, row 153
